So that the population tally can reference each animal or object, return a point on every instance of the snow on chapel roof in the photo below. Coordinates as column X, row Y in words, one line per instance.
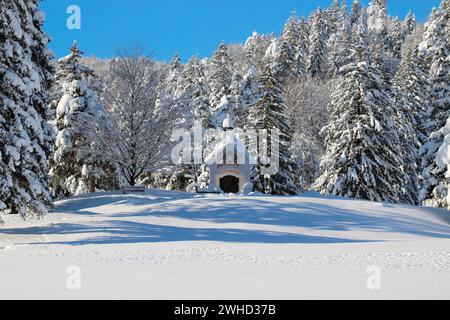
column 230, row 151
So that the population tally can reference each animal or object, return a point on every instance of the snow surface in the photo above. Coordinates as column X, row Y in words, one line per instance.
column 169, row 245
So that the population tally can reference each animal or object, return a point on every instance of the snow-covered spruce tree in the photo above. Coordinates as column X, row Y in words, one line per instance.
column 435, row 50
column 442, row 193
column 318, row 38
column 76, row 165
column 168, row 86
column 219, row 76
column 409, row 24
column 332, row 15
column 396, row 37
column 26, row 74
column 356, row 12
column 255, row 50
column 228, row 105
column 170, row 96
column 399, row 31
column 243, row 95
column 249, row 95
column 304, row 44
column 436, row 32
column 45, row 68
column 362, row 157
column 377, row 15
column 192, row 97
column 446, row 9
column 433, row 175
column 382, row 48
column 411, row 106
column 290, row 55
column 238, row 59
column 267, row 114
column 339, row 46
column 192, row 94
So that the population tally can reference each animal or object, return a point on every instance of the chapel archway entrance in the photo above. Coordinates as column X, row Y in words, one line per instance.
column 229, row 184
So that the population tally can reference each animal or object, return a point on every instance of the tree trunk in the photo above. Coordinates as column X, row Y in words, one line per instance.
column 91, row 184
column 14, row 210
column 132, row 181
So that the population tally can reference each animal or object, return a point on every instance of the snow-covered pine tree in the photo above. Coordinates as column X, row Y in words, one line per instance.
column 317, row 45
column 219, row 76
column 267, row 114
column 362, row 159
column 26, row 74
column 75, row 166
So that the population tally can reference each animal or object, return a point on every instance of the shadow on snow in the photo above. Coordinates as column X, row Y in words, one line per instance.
column 289, row 214
column 116, row 232
column 252, row 211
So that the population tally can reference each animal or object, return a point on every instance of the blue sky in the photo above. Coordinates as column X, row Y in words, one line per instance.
column 187, row 26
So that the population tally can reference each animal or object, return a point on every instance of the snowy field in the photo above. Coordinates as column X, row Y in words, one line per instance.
column 167, row 245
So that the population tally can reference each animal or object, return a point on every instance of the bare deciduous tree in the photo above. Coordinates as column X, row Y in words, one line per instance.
column 134, row 135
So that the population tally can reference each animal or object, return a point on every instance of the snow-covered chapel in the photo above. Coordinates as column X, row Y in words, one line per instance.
column 230, row 163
